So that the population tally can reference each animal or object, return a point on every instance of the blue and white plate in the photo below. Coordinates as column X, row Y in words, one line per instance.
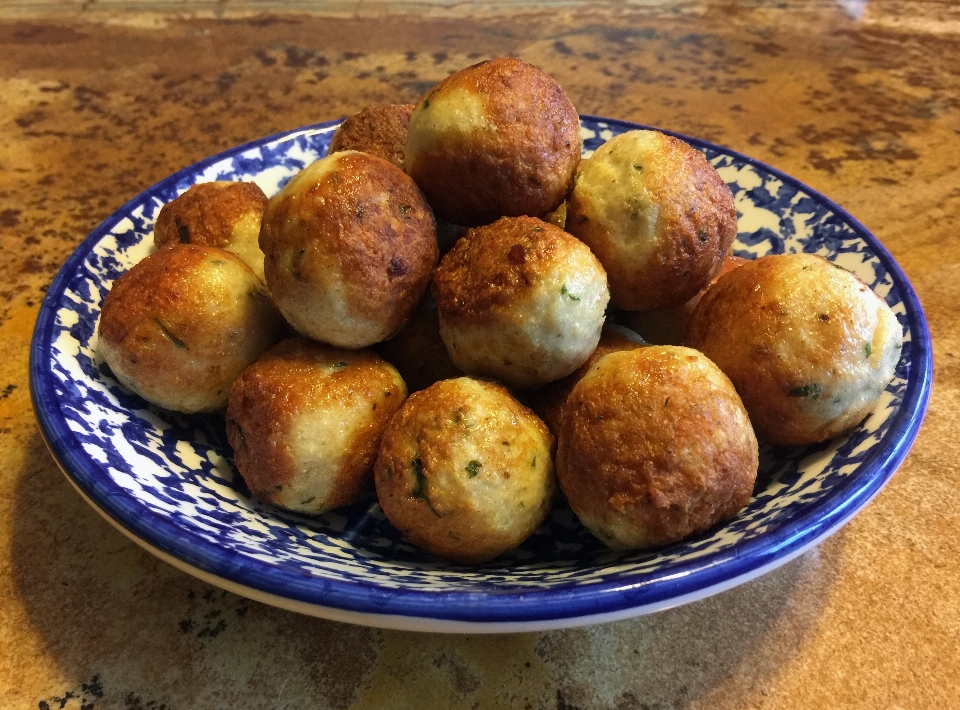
column 167, row 480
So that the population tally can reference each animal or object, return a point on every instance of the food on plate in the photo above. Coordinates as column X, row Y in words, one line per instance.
column 520, row 300
column 182, row 324
column 655, row 442
column 305, row 423
column 668, row 326
column 809, row 347
column 547, row 401
column 350, row 243
column 656, row 214
column 418, row 351
column 655, row 445
column 216, row 214
column 465, row 470
column 499, row 138
column 379, row 129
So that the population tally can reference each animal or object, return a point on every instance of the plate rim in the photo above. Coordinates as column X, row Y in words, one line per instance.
column 442, row 625
column 550, row 608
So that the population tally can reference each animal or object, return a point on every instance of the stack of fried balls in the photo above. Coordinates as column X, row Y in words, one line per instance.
column 311, row 316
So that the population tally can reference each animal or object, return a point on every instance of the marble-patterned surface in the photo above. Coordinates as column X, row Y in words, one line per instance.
column 858, row 99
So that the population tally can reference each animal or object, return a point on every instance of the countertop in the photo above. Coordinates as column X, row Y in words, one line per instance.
column 858, row 99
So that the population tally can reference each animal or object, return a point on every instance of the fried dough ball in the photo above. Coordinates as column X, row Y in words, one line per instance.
column 182, row 324
column 656, row 214
column 216, row 214
column 668, row 326
column 305, row 423
column 655, row 445
column 807, row 344
column 350, row 243
column 465, row 471
column 548, row 401
column 499, row 138
column 418, row 351
column 520, row 300
column 379, row 129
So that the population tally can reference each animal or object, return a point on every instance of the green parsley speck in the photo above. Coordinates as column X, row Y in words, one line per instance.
column 811, row 390
column 420, row 484
column 177, row 343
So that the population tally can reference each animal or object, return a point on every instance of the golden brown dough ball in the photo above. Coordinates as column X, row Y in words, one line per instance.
column 305, row 423
column 655, row 445
column 808, row 345
column 216, row 214
column 656, row 214
column 182, row 324
column 465, row 471
column 350, row 244
column 668, row 326
column 548, row 401
column 520, row 300
column 499, row 138
column 379, row 129
column 418, row 351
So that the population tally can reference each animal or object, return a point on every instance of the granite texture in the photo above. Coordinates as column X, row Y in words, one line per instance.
column 859, row 100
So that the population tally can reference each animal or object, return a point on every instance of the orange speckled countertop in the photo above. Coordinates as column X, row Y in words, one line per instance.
column 858, row 98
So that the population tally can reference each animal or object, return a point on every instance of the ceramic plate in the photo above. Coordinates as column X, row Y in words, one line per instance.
column 168, row 482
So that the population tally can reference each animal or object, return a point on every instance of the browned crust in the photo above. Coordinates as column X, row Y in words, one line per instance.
column 696, row 225
column 492, row 267
column 158, row 321
column 385, row 252
column 159, row 286
column 742, row 322
column 523, row 167
column 206, row 213
column 291, row 378
column 379, row 129
column 624, row 441
column 436, row 418
column 548, row 401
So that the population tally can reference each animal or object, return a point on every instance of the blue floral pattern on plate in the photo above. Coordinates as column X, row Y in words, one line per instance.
column 167, row 480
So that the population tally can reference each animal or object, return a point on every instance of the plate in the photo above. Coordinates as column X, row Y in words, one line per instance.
column 167, row 480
